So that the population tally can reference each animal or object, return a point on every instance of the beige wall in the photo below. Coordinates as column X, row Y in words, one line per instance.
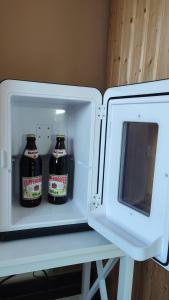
column 61, row 41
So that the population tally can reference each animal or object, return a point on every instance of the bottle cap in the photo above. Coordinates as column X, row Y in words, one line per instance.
column 60, row 136
column 30, row 135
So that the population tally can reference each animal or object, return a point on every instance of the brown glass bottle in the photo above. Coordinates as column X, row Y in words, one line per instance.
column 58, row 173
column 30, row 174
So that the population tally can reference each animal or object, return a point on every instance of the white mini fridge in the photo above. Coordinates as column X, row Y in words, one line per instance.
column 119, row 145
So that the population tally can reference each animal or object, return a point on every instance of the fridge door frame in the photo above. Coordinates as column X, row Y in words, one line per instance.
column 159, row 88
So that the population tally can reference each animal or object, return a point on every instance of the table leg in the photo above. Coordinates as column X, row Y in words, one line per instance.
column 102, row 272
column 85, row 279
column 125, row 278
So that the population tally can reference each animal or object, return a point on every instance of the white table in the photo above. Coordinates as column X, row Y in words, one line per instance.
column 35, row 254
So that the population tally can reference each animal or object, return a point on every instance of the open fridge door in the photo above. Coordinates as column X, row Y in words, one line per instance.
column 134, row 171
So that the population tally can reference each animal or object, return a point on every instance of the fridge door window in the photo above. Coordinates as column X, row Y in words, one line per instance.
column 135, row 207
column 138, row 153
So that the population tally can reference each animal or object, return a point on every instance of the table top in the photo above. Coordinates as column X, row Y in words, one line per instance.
column 54, row 251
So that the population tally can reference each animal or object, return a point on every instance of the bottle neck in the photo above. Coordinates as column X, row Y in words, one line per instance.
column 60, row 149
column 60, row 144
column 31, row 149
column 31, row 144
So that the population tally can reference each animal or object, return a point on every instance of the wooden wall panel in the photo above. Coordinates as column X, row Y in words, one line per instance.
column 163, row 55
column 152, row 43
column 138, row 51
column 138, row 47
column 151, row 282
column 115, row 27
column 138, row 43
column 127, row 41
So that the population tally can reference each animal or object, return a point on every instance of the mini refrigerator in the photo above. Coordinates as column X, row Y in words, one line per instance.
column 119, row 146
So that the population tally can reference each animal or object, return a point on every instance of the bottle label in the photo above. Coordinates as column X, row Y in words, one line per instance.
column 58, row 185
column 31, row 153
column 31, row 187
column 59, row 153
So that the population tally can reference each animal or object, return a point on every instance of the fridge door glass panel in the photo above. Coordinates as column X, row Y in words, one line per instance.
column 138, row 152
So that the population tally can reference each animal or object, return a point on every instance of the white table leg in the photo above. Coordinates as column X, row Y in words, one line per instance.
column 85, row 279
column 125, row 278
column 100, row 281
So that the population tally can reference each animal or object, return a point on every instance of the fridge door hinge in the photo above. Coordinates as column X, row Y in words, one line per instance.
column 96, row 201
column 101, row 112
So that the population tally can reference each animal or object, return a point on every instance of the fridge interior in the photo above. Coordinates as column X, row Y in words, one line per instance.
column 47, row 117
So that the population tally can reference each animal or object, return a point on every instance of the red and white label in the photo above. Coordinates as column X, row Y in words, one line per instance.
column 58, row 185
column 31, row 187
column 31, row 153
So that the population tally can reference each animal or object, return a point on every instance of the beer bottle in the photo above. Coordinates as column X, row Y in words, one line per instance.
column 58, row 173
column 30, row 174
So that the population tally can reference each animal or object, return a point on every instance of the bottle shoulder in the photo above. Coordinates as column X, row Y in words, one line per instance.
column 27, row 158
column 58, row 164
column 29, row 163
